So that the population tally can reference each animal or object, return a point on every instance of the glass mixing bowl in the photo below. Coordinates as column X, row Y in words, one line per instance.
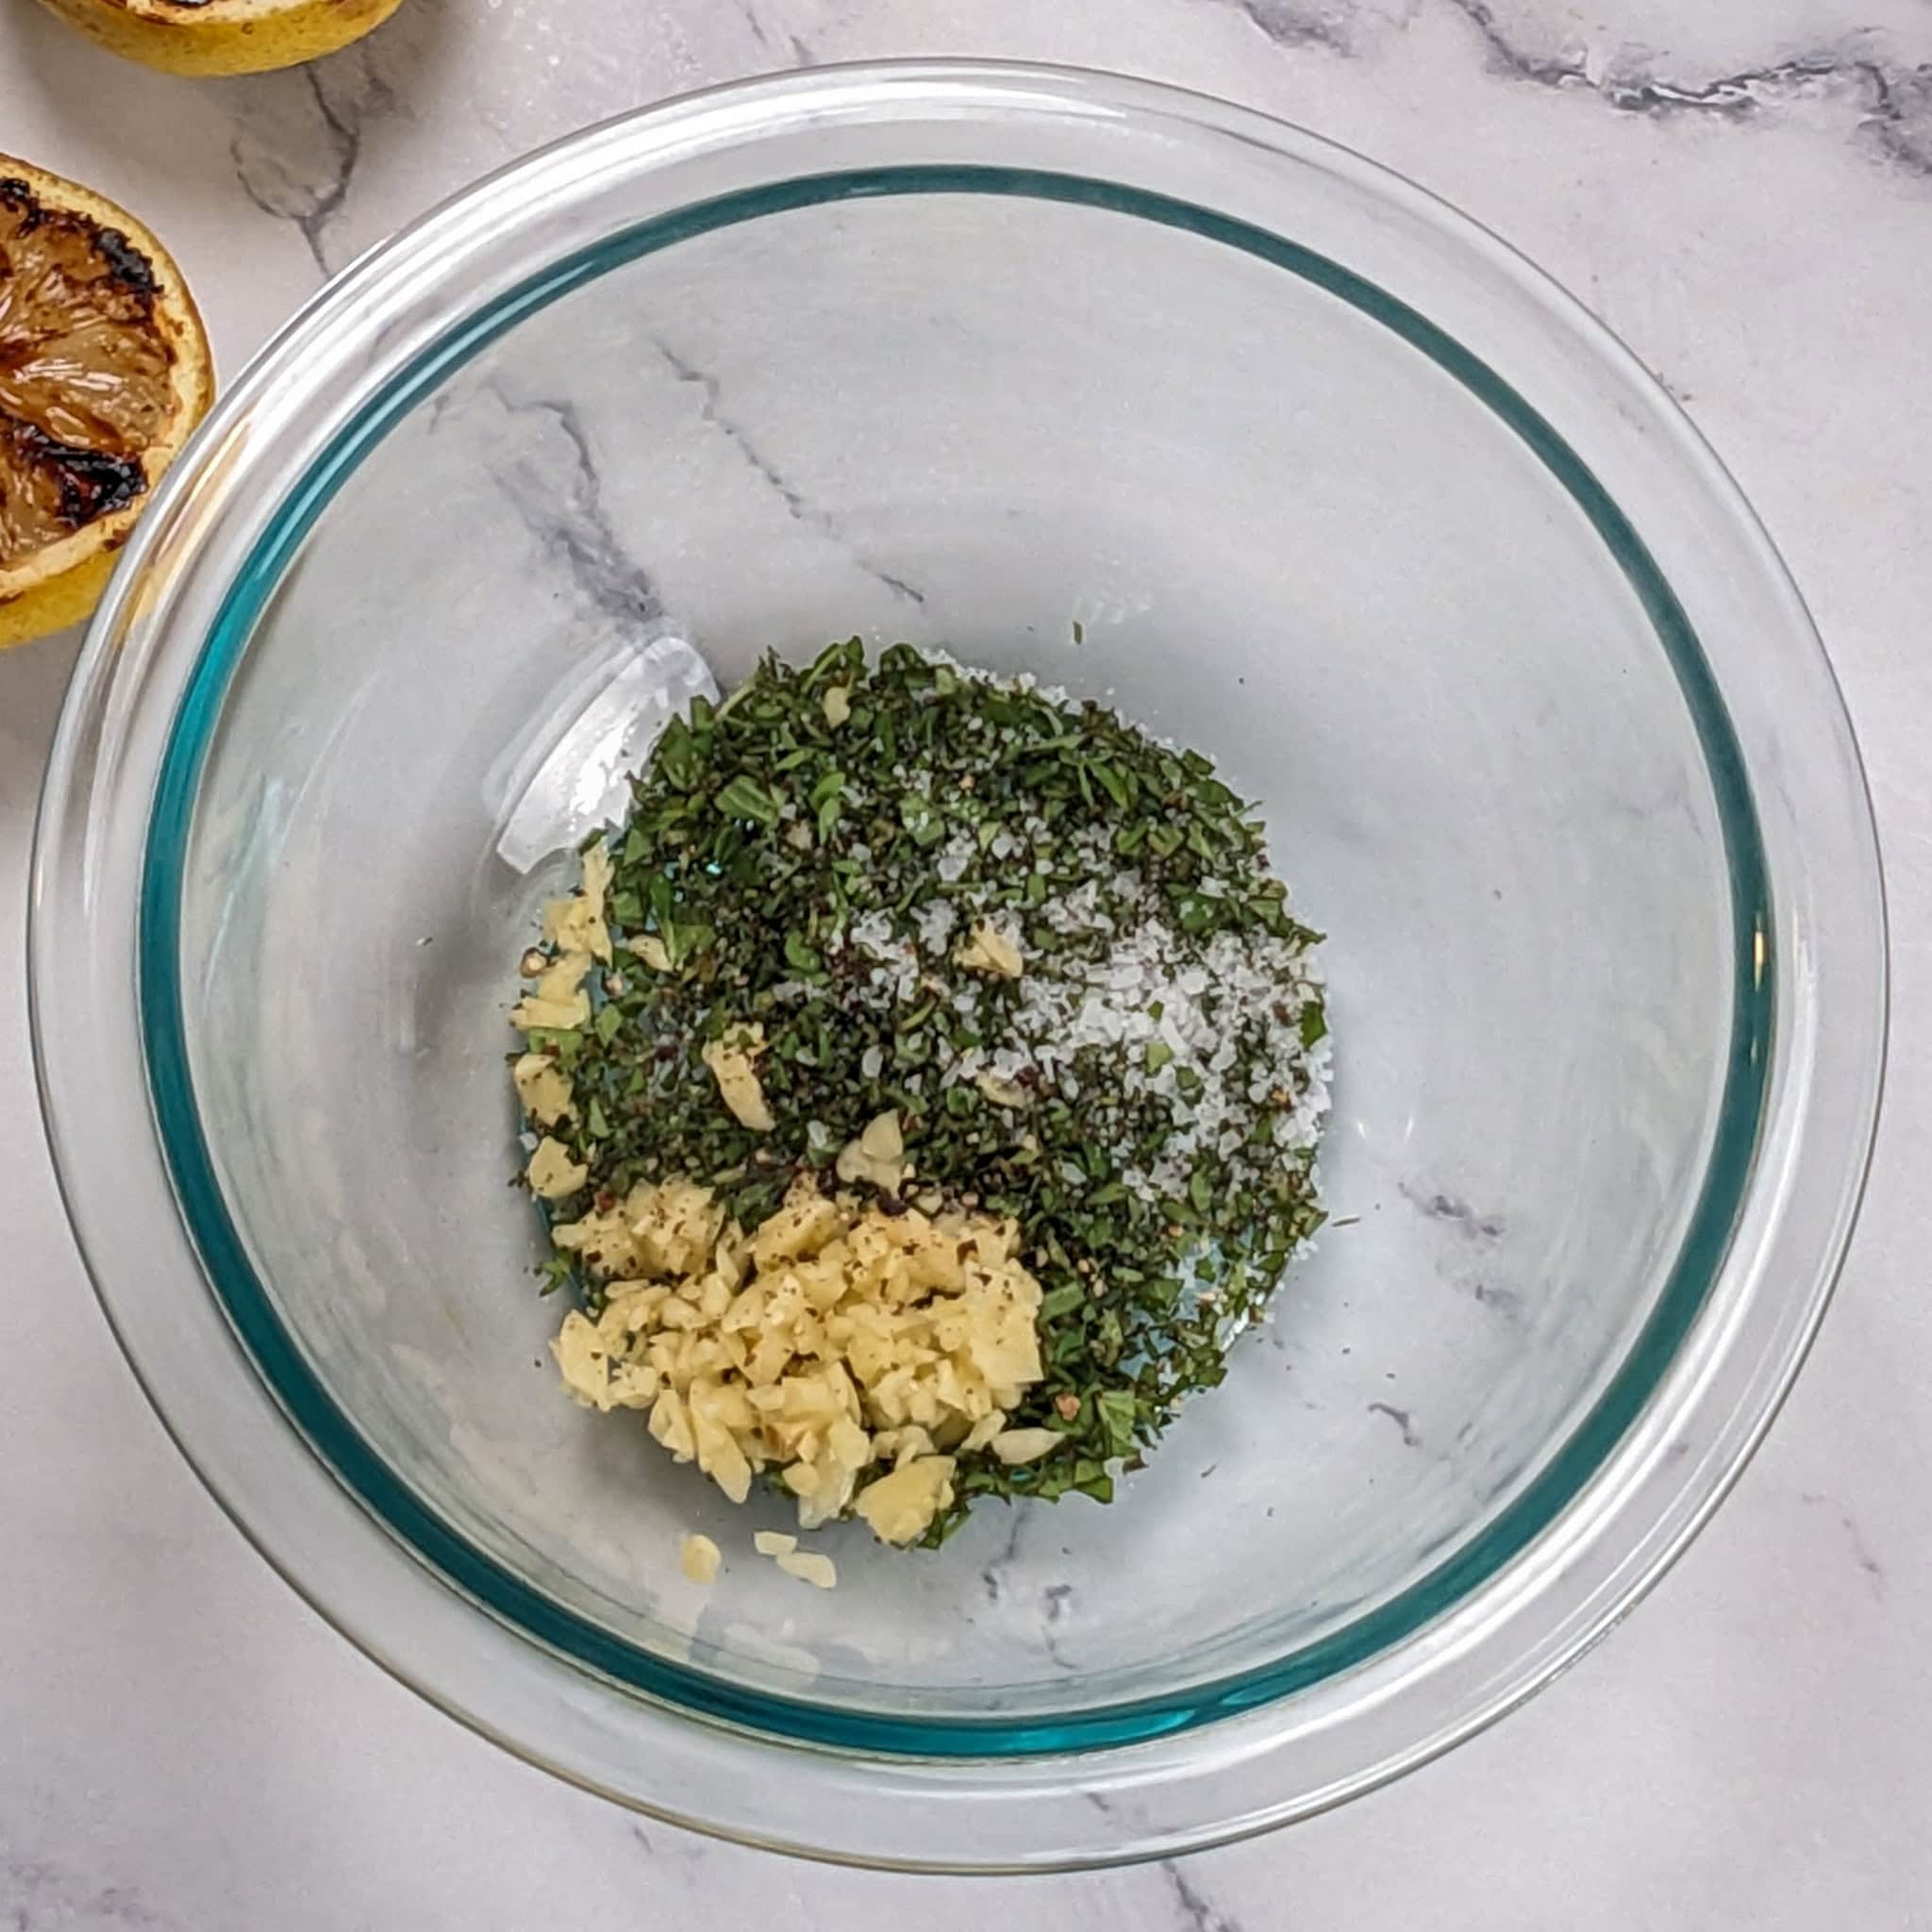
column 1333, row 486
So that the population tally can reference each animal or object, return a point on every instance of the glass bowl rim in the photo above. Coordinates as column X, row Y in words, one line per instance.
column 335, row 1436
column 1575, row 1464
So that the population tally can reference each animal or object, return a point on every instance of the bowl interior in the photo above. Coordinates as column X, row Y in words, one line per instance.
column 1296, row 528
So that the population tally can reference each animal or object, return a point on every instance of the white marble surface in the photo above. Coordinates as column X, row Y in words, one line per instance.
column 1744, row 189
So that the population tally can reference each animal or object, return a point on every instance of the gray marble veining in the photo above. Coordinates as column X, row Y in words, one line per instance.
column 797, row 505
column 1890, row 102
column 562, row 502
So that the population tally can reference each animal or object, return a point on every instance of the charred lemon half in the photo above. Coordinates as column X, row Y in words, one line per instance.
column 224, row 36
column 104, row 371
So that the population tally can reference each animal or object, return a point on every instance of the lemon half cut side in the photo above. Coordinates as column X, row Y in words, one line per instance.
column 104, row 372
column 224, row 36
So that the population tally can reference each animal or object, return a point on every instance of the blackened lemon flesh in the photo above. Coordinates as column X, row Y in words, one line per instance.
column 104, row 371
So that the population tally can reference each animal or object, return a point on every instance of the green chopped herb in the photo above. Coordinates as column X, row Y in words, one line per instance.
column 819, row 881
column 744, row 798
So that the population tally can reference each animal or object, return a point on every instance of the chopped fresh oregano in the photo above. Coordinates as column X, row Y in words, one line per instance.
column 1143, row 1098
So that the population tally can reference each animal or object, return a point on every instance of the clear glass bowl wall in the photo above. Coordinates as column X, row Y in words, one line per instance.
column 1335, row 489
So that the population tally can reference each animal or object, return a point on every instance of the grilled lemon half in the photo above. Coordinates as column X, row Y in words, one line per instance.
column 104, row 371
column 224, row 36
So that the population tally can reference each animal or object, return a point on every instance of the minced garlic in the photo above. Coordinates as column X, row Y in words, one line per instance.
column 595, row 1374
column 733, row 1064
column 833, row 1340
column 809, row 1566
column 1002, row 1093
column 1014, row 1446
column 699, row 1559
column 668, row 1229
column 573, row 924
column 877, row 1156
column 560, row 1001
column 652, row 951
column 553, row 1173
column 989, row 950
column 898, row 1506
column 544, row 1088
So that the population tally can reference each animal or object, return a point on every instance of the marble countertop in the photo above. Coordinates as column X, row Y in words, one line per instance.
column 1744, row 189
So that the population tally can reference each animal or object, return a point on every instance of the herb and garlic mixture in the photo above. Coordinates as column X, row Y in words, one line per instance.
column 926, row 1082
